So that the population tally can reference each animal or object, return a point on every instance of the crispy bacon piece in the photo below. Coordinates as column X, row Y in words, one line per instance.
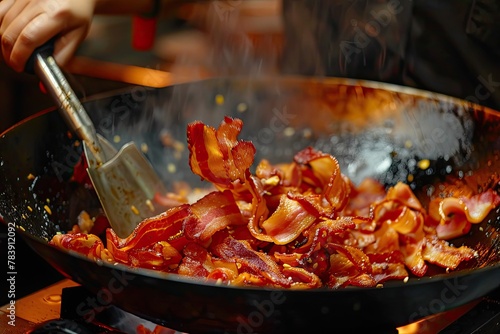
column 167, row 227
column 213, row 212
column 349, row 267
column 334, row 186
column 453, row 227
column 455, row 215
column 217, row 155
column 248, row 260
column 87, row 244
column 198, row 262
column 387, row 266
column 301, row 278
column 477, row 207
column 286, row 175
column 401, row 192
column 155, row 241
column 297, row 225
column 369, row 191
column 260, row 210
column 159, row 256
column 326, row 231
column 289, row 220
column 386, row 240
column 441, row 253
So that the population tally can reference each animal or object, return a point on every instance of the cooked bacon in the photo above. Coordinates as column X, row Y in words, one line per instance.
column 286, row 175
column 302, row 279
column 341, row 269
column 441, row 253
column 414, row 259
column 260, row 210
column 250, row 260
column 328, row 231
column 356, row 256
column 475, row 208
column 386, row 240
column 289, row 259
column 195, row 261
column 453, row 227
column 454, row 216
column 198, row 262
column 213, row 212
column 369, row 191
column 88, row 244
column 297, row 225
column 217, row 155
column 325, row 168
column 401, row 192
column 344, row 272
column 386, row 256
column 161, row 256
column 167, row 226
column 289, row 220
column 412, row 241
column 257, row 263
column 383, row 272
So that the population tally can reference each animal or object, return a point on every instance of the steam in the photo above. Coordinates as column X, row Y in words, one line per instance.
column 234, row 37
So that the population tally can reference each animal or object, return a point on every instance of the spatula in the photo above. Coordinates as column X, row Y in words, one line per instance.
column 124, row 180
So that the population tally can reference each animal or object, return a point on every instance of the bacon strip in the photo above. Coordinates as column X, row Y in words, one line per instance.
column 441, row 253
column 455, row 215
column 217, row 155
column 213, row 213
column 257, row 263
column 335, row 188
column 167, row 226
column 402, row 192
column 88, row 244
column 197, row 262
column 288, row 221
column 160, row 256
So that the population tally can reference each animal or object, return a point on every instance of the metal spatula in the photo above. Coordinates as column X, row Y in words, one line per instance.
column 125, row 181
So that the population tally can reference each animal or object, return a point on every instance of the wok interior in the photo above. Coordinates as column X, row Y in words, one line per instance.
column 374, row 130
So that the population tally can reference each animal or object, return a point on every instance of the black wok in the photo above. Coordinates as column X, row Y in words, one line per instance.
column 374, row 129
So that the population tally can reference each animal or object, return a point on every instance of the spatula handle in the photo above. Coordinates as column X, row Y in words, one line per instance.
column 70, row 106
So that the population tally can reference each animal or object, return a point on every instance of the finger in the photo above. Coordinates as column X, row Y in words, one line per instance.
column 4, row 7
column 12, row 13
column 37, row 32
column 12, row 25
column 67, row 45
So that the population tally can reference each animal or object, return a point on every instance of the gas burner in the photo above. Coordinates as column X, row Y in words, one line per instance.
column 57, row 309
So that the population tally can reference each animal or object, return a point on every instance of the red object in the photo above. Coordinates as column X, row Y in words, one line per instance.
column 143, row 32
column 42, row 87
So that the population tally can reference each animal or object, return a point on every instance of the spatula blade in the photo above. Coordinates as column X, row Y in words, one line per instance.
column 126, row 186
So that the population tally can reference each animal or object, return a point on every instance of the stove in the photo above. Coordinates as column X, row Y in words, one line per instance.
column 54, row 309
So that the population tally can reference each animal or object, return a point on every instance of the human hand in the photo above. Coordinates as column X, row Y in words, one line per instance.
column 28, row 24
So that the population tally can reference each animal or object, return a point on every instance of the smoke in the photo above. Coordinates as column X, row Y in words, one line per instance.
column 230, row 38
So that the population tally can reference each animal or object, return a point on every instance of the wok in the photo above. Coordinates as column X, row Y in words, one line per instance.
column 374, row 129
